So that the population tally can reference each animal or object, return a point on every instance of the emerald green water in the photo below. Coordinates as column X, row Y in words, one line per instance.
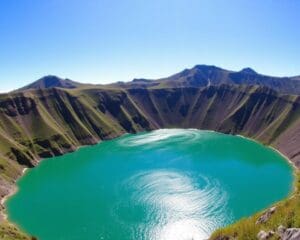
column 163, row 185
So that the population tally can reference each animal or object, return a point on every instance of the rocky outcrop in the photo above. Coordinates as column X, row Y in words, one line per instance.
column 266, row 215
column 282, row 233
column 288, row 233
column 263, row 235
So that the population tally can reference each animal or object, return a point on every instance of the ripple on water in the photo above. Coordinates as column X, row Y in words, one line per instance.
column 180, row 208
column 160, row 135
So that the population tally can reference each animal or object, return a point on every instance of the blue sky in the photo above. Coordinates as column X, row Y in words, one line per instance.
column 101, row 41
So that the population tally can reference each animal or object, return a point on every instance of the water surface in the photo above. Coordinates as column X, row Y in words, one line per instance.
column 168, row 184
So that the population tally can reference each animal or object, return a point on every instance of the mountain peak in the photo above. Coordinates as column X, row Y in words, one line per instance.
column 51, row 81
column 248, row 71
column 206, row 67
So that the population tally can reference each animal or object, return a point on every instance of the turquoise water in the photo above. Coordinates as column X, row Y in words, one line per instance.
column 163, row 185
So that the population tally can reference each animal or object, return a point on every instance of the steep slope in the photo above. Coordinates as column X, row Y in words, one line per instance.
column 41, row 123
column 50, row 82
column 44, row 123
column 204, row 75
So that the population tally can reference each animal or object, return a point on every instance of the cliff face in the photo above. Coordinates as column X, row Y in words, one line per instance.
column 255, row 112
column 43, row 123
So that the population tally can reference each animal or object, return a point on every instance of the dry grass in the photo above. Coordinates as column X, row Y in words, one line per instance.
column 11, row 232
column 287, row 214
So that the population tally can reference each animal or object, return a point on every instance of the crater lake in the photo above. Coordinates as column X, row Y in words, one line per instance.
column 168, row 184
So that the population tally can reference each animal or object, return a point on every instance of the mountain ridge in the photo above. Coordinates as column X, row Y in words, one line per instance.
column 198, row 76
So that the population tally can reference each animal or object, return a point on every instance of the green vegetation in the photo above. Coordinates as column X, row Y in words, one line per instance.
column 10, row 232
column 287, row 214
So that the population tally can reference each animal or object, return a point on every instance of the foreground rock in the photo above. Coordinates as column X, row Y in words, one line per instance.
column 288, row 233
column 282, row 233
column 262, row 235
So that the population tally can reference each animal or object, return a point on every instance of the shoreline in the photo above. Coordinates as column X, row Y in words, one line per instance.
column 295, row 171
column 14, row 188
column 290, row 162
column 3, row 214
column 274, row 149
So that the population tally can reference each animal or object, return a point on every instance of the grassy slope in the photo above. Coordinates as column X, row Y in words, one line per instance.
column 9, row 232
column 44, row 123
column 287, row 214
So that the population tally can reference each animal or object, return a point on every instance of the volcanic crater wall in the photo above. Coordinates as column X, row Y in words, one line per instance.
column 49, row 122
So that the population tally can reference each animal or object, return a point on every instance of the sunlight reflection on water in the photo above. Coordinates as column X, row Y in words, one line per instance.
column 181, row 209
